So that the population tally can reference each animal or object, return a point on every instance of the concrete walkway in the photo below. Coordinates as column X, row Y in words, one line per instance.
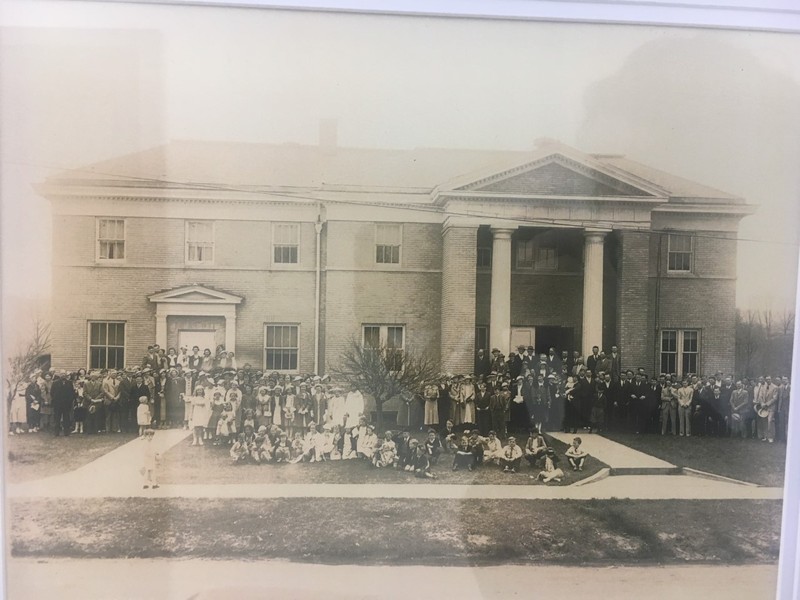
column 116, row 475
column 163, row 579
column 618, row 457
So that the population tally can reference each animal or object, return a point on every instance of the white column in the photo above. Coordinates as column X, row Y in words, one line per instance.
column 161, row 328
column 592, row 291
column 500, row 313
column 230, row 331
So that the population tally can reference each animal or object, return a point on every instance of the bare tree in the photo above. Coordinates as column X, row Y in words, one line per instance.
column 787, row 321
column 384, row 373
column 28, row 358
column 749, row 334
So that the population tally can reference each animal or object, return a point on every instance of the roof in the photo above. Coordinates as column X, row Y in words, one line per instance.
column 182, row 164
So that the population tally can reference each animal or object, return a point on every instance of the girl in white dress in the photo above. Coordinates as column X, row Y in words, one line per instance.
column 201, row 413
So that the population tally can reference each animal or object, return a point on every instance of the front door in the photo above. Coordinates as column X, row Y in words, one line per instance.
column 202, row 338
column 522, row 336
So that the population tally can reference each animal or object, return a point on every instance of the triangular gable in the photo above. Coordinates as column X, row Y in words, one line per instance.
column 556, row 175
column 195, row 294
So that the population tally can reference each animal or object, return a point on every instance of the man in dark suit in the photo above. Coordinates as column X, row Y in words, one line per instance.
column 616, row 368
column 482, row 364
column 591, row 362
column 62, row 393
column 553, row 362
column 647, row 423
column 514, row 365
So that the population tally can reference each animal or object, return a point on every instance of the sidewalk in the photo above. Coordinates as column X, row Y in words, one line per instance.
column 163, row 579
column 116, row 475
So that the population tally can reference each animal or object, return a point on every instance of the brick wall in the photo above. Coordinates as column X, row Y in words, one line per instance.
column 356, row 298
column 704, row 299
column 351, row 245
column 634, row 301
column 460, row 251
column 102, row 293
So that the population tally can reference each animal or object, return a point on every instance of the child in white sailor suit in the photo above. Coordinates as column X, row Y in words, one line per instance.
column 143, row 417
column 323, row 444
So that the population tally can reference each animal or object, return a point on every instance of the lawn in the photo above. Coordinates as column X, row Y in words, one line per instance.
column 747, row 460
column 37, row 455
column 428, row 532
column 211, row 464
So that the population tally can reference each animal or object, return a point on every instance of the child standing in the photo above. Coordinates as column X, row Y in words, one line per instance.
column 150, row 457
column 576, row 455
column 142, row 416
column 200, row 414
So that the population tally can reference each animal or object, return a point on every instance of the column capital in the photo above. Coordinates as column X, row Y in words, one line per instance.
column 503, row 232
column 592, row 234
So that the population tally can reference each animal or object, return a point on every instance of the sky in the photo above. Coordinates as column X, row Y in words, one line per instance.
column 83, row 82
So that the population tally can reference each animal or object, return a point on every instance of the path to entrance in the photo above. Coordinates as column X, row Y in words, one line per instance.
column 161, row 579
column 116, row 475
column 617, row 456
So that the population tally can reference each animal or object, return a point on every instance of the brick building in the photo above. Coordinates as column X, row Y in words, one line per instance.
column 287, row 253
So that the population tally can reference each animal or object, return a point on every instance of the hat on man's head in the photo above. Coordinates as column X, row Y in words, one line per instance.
column 495, row 350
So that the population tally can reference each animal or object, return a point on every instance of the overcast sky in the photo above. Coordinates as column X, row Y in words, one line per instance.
column 85, row 82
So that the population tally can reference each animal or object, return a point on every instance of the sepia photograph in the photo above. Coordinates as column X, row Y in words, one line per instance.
column 355, row 304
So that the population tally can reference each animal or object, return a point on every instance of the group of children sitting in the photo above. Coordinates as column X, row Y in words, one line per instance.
column 398, row 450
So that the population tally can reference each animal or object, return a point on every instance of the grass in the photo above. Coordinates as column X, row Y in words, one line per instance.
column 424, row 532
column 747, row 460
column 211, row 464
column 37, row 455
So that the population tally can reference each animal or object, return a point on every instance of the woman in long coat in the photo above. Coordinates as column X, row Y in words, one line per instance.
column 431, row 398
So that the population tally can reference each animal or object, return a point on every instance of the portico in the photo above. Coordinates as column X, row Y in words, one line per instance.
column 547, row 226
column 592, row 307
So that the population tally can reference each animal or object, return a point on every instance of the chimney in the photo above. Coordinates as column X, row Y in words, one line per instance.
column 327, row 135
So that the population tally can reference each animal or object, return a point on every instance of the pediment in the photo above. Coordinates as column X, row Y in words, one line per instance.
column 559, row 176
column 195, row 294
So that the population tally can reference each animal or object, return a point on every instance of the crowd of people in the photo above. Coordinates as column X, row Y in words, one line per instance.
column 218, row 400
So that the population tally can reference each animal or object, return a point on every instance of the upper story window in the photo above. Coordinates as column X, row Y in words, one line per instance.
column 538, row 257
column 200, row 242
column 680, row 253
column 110, row 239
column 388, row 240
column 286, row 243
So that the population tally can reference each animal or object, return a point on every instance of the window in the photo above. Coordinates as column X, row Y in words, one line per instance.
column 484, row 258
column 533, row 255
column 482, row 338
column 391, row 338
column 281, row 347
column 286, row 243
column 680, row 350
column 388, row 238
column 199, row 242
column 106, row 345
column 110, row 239
column 679, row 253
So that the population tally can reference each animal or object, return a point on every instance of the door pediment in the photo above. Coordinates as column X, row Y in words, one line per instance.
column 194, row 294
